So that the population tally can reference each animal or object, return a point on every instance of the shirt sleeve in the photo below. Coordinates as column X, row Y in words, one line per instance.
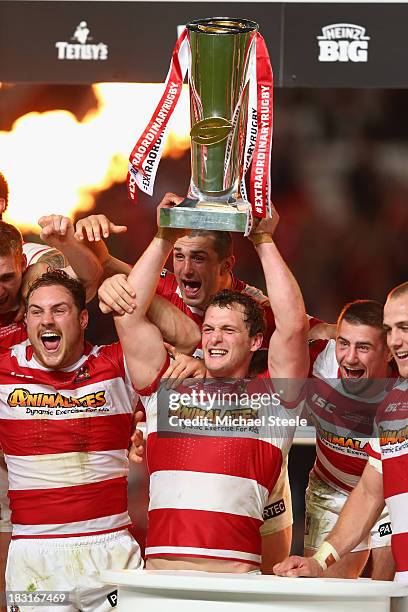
column 277, row 512
column 34, row 251
column 166, row 285
column 374, row 454
column 313, row 321
column 373, row 450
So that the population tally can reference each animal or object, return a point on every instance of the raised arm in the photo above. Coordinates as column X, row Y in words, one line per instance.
column 288, row 355
column 58, row 232
column 118, row 296
column 91, row 230
column 352, row 527
column 141, row 340
column 176, row 327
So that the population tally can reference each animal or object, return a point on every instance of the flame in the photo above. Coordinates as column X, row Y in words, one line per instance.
column 56, row 164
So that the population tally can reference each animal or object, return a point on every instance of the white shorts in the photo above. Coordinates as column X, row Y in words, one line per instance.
column 323, row 506
column 5, row 524
column 72, row 565
column 278, row 510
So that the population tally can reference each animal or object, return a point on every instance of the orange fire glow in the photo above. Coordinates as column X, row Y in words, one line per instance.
column 56, row 164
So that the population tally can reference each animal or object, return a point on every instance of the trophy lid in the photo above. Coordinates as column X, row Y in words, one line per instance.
column 222, row 25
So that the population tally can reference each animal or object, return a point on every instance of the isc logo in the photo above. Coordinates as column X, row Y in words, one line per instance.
column 343, row 42
column 323, row 403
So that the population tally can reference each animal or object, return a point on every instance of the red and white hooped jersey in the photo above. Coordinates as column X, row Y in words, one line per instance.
column 65, row 436
column 208, row 493
column 390, row 445
column 344, row 422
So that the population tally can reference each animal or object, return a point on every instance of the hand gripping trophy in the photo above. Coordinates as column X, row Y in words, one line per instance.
column 231, row 95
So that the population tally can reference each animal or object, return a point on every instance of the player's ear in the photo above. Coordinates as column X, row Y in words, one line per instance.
column 23, row 263
column 256, row 342
column 84, row 318
column 228, row 264
column 389, row 355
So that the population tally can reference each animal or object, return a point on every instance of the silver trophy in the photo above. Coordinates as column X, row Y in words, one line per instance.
column 218, row 110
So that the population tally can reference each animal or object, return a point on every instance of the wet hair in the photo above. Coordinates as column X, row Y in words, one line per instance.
column 61, row 278
column 254, row 317
column 222, row 241
column 11, row 240
column 398, row 291
column 4, row 190
column 363, row 312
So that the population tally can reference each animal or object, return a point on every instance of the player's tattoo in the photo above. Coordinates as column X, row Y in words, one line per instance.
column 54, row 259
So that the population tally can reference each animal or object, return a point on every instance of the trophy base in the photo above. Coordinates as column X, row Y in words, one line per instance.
column 206, row 215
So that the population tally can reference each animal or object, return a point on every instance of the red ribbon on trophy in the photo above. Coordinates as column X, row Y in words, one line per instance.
column 260, row 188
column 146, row 154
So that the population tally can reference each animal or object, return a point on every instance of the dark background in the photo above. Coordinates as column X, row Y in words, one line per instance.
column 141, row 36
